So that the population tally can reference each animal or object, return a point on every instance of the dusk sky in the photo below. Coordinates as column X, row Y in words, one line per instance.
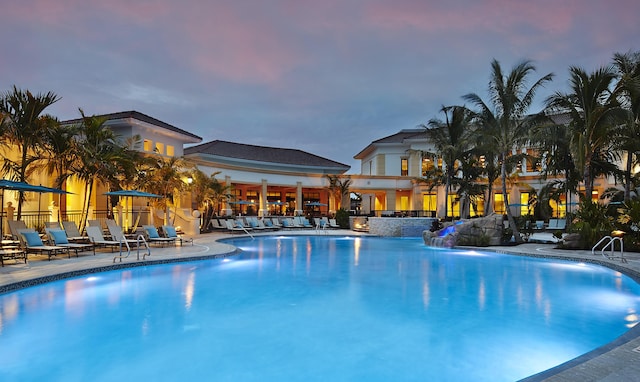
column 323, row 76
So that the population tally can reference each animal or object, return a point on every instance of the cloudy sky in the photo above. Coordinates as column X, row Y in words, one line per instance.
column 324, row 76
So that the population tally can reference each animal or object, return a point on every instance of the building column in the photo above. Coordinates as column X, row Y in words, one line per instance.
column 263, row 199
column 225, row 209
column 299, row 211
column 390, row 204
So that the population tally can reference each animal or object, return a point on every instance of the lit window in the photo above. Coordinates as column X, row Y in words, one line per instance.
column 147, row 145
column 170, row 151
column 404, row 167
column 159, row 148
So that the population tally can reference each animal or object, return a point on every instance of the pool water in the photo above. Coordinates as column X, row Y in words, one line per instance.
column 317, row 308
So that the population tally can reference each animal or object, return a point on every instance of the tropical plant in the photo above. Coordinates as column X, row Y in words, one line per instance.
column 339, row 189
column 342, row 218
column 207, row 192
column 504, row 120
column 591, row 222
column 594, row 111
column 627, row 67
column 451, row 138
column 101, row 158
column 25, row 127
column 164, row 176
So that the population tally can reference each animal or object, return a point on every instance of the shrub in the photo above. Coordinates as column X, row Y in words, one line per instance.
column 342, row 218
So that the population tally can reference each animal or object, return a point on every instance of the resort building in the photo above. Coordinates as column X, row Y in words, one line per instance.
column 285, row 181
column 268, row 180
column 391, row 168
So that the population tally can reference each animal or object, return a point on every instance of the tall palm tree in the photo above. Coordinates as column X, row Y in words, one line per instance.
column 505, row 118
column 101, row 158
column 25, row 126
column 61, row 150
column 594, row 112
column 452, row 140
column 627, row 66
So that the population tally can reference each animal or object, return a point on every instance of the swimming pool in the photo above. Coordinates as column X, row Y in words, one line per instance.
column 317, row 308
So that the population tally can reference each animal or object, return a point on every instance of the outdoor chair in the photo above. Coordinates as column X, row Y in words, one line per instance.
column 73, row 233
column 95, row 236
column 152, row 236
column 276, row 223
column 170, row 232
column 14, row 228
column 215, row 224
column 12, row 254
column 59, row 238
column 31, row 242
column 233, row 226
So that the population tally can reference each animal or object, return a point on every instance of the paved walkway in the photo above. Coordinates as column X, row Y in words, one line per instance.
column 618, row 361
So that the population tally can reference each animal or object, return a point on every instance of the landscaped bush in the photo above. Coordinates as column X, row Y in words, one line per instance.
column 591, row 222
column 342, row 218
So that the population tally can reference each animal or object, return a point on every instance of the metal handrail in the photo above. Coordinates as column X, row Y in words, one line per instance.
column 139, row 239
column 611, row 242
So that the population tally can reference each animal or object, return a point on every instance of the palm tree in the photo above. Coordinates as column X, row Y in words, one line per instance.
column 60, row 143
column 207, row 192
column 452, row 141
column 101, row 158
column 627, row 67
column 339, row 189
column 594, row 112
column 505, row 121
column 165, row 177
column 25, row 127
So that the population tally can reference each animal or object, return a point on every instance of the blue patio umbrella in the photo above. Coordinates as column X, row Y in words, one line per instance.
column 6, row 184
column 315, row 204
column 133, row 194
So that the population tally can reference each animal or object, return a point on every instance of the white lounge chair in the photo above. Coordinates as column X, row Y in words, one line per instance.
column 31, row 242
column 73, row 233
column 59, row 238
column 96, row 237
column 170, row 232
column 153, row 236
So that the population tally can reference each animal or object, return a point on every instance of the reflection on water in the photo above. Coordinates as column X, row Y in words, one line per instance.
column 320, row 307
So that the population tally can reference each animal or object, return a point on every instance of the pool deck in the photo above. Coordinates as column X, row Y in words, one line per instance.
column 617, row 361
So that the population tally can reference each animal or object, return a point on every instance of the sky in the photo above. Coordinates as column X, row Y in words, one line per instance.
column 324, row 76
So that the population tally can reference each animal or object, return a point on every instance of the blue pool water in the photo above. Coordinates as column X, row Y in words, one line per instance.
column 317, row 308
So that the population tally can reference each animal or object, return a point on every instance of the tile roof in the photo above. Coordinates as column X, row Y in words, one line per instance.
column 263, row 154
column 141, row 117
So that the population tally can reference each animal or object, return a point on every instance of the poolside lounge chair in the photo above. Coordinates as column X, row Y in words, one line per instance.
column 233, row 226
column 95, row 236
column 333, row 223
column 256, row 224
column 152, row 236
column 276, row 223
column 118, row 235
column 73, row 233
column 15, row 226
column 269, row 224
column 215, row 224
column 170, row 232
column 31, row 242
column 59, row 238
column 12, row 254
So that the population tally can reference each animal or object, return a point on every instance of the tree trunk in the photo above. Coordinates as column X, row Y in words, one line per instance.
column 627, row 177
column 512, row 222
